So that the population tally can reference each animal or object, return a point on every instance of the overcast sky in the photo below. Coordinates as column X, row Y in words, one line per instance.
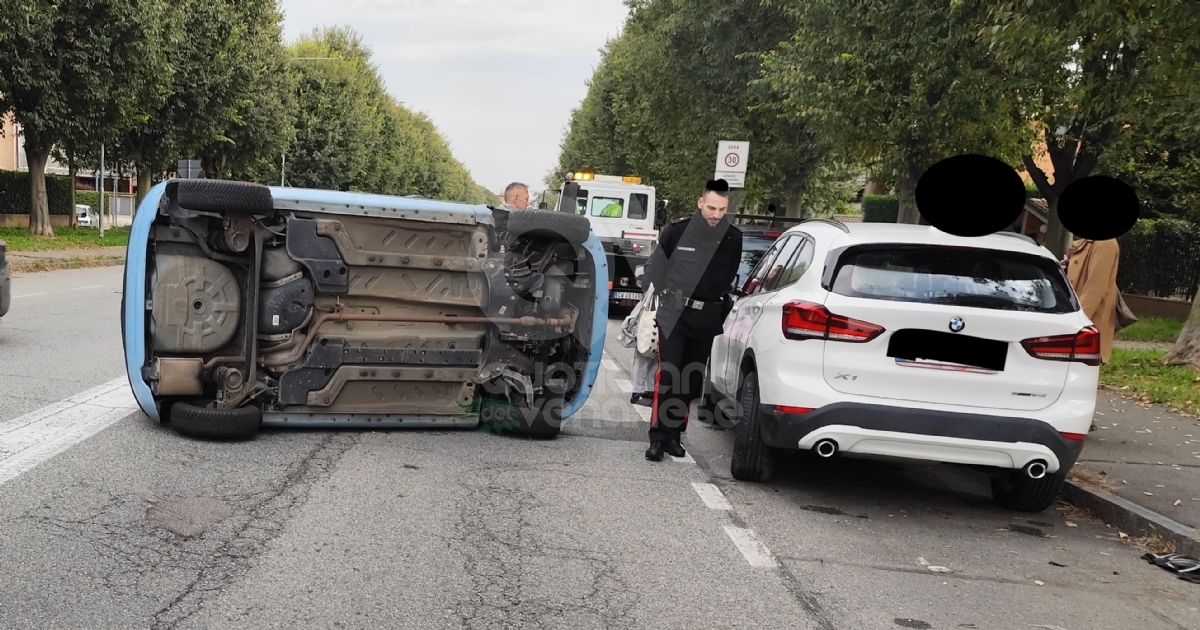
column 498, row 77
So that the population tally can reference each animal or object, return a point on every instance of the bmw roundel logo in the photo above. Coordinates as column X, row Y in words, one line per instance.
column 957, row 324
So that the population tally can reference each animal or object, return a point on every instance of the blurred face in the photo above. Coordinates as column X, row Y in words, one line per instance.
column 713, row 207
column 517, row 198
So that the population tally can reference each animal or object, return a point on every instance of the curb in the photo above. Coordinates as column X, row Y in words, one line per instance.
column 1131, row 517
column 35, row 265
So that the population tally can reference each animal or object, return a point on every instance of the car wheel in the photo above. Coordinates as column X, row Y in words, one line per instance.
column 207, row 422
column 225, row 196
column 752, row 459
column 498, row 416
column 712, row 413
column 1016, row 491
column 570, row 227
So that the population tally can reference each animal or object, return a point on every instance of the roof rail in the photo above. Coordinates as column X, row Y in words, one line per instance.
column 1017, row 235
column 838, row 224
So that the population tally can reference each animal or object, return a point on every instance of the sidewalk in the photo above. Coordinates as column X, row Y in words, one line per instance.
column 1149, row 456
column 29, row 262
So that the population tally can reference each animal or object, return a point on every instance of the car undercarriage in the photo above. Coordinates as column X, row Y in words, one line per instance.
column 306, row 311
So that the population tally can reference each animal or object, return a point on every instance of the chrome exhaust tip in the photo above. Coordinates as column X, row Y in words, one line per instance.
column 1036, row 469
column 826, row 448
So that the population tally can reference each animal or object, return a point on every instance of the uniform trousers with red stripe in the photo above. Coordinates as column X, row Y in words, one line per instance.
column 682, row 355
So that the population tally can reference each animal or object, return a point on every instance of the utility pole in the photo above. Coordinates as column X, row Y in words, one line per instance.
column 100, row 213
column 282, row 170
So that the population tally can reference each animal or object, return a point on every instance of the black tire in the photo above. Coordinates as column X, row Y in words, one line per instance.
column 1014, row 490
column 213, row 195
column 712, row 415
column 570, row 227
column 207, row 422
column 498, row 416
column 752, row 459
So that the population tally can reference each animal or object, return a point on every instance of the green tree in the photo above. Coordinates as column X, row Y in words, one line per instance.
column 1085, row 71
column 680, row 78
column 73, row 72
column 257, row 122
column 899, row 83
column 350, row 134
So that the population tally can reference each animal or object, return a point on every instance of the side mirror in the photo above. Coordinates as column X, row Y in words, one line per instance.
column 566, row 202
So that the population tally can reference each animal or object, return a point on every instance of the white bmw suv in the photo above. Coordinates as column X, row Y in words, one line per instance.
column 885, row 340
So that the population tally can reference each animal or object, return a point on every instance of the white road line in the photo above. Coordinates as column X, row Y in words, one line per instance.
column 624, row 384
column 644, row 412
column 686, row 459
column 610, row 364
column 711, row 495
column 31, row 294
column 754, row 551
column 39, row 435
column 94, row 286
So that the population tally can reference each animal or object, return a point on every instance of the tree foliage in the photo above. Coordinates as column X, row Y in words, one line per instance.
column 680, row 78
column 350, row 134
column 1084, row 71
column 899, row 83
column 73, row 72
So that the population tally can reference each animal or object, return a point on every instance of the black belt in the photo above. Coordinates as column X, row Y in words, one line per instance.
column 696, row 304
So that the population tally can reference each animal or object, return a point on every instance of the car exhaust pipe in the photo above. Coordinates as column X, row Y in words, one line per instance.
column 1036, row 469
column 826, row 448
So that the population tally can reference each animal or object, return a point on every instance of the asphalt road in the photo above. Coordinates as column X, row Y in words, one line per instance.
column 138, row 527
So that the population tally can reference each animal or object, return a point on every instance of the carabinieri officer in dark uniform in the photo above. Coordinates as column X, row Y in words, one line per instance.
column 692, row 269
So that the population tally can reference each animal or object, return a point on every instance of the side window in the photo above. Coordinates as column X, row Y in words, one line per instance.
column 754, row 282
column 797, row 265
column 775, row 274
column 581, row 202
column 637, row 206
column 610, row 207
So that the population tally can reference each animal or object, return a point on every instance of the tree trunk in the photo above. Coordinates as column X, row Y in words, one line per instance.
column 1186, row 350
column 143, row 185
column 793, row 208
column 39, row 205
column 73, row 222
column 1058, row 239
column 908, row 191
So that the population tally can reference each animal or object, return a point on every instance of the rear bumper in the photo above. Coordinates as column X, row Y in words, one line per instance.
column 880, row 430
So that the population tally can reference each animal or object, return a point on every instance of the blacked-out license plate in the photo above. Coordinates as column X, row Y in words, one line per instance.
column 926, row 348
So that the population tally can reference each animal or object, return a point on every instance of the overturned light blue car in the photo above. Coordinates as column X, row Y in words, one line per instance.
column 247, row 305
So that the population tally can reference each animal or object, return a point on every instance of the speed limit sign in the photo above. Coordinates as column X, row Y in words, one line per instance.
column 732, row 156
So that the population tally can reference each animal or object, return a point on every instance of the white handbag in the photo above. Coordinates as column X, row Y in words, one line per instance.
column 647, row 327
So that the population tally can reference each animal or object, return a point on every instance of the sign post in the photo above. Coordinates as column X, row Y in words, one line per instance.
column 732, row 158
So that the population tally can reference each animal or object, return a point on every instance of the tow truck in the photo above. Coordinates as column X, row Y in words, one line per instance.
column 621, row 210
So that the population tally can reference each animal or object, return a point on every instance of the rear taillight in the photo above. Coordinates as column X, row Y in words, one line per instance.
column 806, row 320
column 1083, row 346
column 788, row 409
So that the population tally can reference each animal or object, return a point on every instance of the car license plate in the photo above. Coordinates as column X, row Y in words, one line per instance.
column 626, row 295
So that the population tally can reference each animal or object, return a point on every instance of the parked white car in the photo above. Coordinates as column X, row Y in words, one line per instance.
column 84, row 217
column 885, row 340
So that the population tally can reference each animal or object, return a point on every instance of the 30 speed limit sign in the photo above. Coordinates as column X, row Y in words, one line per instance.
column 732, row 156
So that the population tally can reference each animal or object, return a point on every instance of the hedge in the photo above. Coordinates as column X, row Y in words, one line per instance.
column 880, row 208
column 14, row 193
column 89, row 198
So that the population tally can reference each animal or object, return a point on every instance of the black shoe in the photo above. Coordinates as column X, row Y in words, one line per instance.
column 635, row 398
column 645, row 399
column 655, row 452
column 674, row 448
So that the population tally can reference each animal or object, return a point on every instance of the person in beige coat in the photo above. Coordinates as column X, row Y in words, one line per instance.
column 1092, row 270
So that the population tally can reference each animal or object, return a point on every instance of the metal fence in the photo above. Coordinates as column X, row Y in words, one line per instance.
column 1160, row 262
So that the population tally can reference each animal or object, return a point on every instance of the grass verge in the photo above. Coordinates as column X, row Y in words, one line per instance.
column 1141, row 374
column 20, row 240
column 1156, row 329
column 34, row 266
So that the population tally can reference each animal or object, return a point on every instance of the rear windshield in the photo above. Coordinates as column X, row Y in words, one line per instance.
column 953, row 275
